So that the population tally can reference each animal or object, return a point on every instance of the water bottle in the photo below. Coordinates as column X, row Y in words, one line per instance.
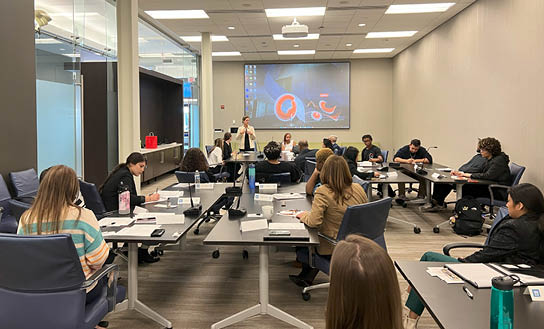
column 502, row 303
column 124, row 199
column 252, row 176
column 197, row 179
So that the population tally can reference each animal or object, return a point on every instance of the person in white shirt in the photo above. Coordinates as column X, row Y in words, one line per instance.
column 246, row 135
column 288, row 143
column 215, row 156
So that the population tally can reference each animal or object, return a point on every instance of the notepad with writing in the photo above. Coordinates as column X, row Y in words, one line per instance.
column 286, row 226
column 253, row 225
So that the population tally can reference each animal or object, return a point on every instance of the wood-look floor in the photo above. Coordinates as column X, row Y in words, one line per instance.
column 193, row 290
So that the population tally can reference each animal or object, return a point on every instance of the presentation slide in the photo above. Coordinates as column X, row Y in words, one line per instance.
column 297, row 96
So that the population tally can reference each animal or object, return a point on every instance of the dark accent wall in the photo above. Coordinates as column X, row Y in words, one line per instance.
column 18, row 145
column 161, row 107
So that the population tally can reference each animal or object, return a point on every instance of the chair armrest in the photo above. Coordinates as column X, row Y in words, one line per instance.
column 491, row 196
column 112, row 289
column 446, row 249
column 328, row 238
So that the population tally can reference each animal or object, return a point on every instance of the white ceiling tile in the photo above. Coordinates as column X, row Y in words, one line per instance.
column 257, row 29
column 269, row 56
column 323, row 55
column 246, row 4
column 294, row 4
column 252, row 56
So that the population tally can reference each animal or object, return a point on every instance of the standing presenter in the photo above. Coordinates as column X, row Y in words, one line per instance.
column 246, row 135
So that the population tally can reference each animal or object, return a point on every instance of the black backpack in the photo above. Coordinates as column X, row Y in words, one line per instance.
column 468, row 217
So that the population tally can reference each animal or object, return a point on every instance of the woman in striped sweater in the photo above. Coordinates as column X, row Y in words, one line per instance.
column 54, row 212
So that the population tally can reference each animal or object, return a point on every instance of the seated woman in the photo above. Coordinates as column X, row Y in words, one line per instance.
column 364, row 290
column 517, row 239
column 314, row 182
column 351, row 158
column 54, row 212
column 495, row 169
column 272, row 165
column 215, row 156
column 195, row 160
column 328, row 144
column 328, row 207
column 287, row 144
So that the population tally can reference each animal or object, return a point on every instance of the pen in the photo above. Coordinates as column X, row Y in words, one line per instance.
column 469, row 294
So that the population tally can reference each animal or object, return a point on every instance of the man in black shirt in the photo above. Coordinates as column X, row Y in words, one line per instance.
column 305, row 152
column 412, row 154
column 371, row 152
column 272, row 165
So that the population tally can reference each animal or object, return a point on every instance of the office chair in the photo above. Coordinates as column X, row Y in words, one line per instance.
column 8, row 222
column 367, row 219
column 282, row 178
column 45, row 276
column 364, row 184
column 385, row 154
column 501, row 214
column 309, row 167
column 189, row 177
column 208, row 148
column 25, row 183
column 17, row 208
column 93, row 200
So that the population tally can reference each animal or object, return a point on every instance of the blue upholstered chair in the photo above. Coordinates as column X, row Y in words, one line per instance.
column 8, row 222
column 309, row 167
column 385, row 154
column 45, row 286
column 364, row 184
column 93, row 200
column 367, row 219
column 282, row 178
column 25, row 183
column 516, row 171
column 189, row 177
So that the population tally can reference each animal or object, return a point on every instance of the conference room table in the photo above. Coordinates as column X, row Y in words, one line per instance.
column 227, row 232
column 172, row 235
column 451, row 308
column 392, row 176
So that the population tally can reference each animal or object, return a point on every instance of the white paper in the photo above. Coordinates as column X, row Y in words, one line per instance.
column 138, row 230
column 392, row 174
column 161, row 199
column 286, row 226
column 115, row 221
column 288, row 196
column 362, row 169
column 436, row 175
column 196, row 200
column 254, row 216
column 444, row 274
column 170, row 194
column 263, row 197
column 204, row 186
column 444, row 169
column 364, row 164
column 164, row 205
column 268, row 188
column 253, row 225
column 139, row 210
column 164, row 218
column 180, row 185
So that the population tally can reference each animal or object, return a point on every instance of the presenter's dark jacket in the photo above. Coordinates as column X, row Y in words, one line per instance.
column 372, row 153
column 512, row 241
column 300, row 160
column 404, row 153
column 111, row 189
column 264, row 169
column 227, row 151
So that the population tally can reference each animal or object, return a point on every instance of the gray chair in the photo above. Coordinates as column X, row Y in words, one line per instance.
column 385, row 153
column 364, row 184
column 25, row 183
column 309, row 167
column 93, row 200
column 8, row 222
column 44, row 278
column 367, row 219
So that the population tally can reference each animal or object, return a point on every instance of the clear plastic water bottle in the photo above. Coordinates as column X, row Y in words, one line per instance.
column 197, row 179
column 124, row 199
column 502, row 303
column 252, row 176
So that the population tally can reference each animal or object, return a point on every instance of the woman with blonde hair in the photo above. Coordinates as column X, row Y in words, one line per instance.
column 331, row 200
column 54, row 212
column 364, row 290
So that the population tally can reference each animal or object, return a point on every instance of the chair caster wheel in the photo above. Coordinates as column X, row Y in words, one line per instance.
column 417, row 230
column 306, row 296
column 196, row 231
column 215, row 254
column 436, row 229
column 245, row 254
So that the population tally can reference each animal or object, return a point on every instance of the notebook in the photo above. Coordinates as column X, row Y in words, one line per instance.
column 479, row 275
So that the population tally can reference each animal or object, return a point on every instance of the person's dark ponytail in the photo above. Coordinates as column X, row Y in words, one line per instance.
column 133, row 158
column 532, row 200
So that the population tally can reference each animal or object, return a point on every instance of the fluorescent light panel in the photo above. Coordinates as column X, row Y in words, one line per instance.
column 198, row 38
column 226, row 53
column 161, row 55
column 310, row 36
column 72, row 55
column 295, row 12
column 394, row 34
column 373, row 51
column 419, row 8
column 177, row 14
column 47, row 41
column 296, row 52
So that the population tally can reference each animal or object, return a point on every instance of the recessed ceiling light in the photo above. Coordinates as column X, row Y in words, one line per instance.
column 72, row 55
column 198, row 38
column 295, row 12
column 361, row 24
column 296, row 46
column 47, row 41
column 349, row 44
column 231, row 27
column 296, row 52
column 177, row 14
column 310, row 36
column 375, row 50
column 226, row 53
column 419, row 8
column 393, row 34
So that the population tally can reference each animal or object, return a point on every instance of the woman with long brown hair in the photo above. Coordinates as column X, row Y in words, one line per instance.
column 195, row 160
column 330, row 203
column 54, row 212
column 364, row 290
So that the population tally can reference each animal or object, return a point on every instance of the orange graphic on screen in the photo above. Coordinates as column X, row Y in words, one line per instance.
column 326, row 109
column 289, row 114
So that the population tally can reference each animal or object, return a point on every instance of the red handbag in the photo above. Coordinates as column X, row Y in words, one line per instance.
column 151, row 141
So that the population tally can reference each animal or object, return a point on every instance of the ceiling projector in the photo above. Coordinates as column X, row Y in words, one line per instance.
column 295, row 30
